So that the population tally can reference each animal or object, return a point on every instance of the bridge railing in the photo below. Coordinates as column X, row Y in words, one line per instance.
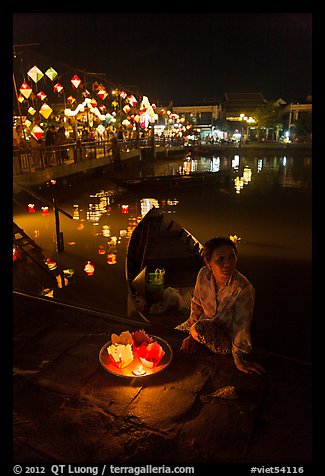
column 31, row 159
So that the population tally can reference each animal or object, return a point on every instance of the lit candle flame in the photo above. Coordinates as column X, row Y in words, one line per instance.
column 139, row 371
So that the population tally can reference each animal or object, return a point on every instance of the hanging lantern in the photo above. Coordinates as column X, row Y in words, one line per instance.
column 126, row 109
column 114, row 103
column 85, row 93
column 27, row 123
column 102, row 107
column 35, row 74
column 46, row 111
column 31, row 110
column 25, row 90
column 37, row 132
column 57, row 88
column 93, row 102
column 71, row 99
column 31, row 208
column 51, row 73
column 131, row 99
column 21, row 98
column 41, row 95
column 76, row 81
column 100, row 129
column 102, row 94
column 123, row 94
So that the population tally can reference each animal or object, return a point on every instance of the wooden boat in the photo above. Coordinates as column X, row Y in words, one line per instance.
column 158, row 242
column 197, row 179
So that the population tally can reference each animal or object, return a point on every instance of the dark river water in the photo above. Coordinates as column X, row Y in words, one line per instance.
column 267, row 205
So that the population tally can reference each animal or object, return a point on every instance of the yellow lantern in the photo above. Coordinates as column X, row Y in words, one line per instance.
column 46, row 111
column 121, row 355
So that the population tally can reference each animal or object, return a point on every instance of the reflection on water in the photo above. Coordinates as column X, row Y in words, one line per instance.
column 266, row 206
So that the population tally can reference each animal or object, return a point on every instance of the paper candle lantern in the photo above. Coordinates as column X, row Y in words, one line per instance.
column 31, row 110
column 71, row 99
column 35, row 74
column 124, row 338
column 89, row 268
column 51, row 73
column 153, row 355
column 25, row 90
column 51, row 264
column 120, row 352
column 31, row 208
column 120, row 355
column 21, row 98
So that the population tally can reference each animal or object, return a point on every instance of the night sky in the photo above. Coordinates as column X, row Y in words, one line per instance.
column 175, row 57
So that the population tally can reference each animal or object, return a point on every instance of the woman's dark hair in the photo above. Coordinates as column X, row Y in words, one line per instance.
column 215, row 243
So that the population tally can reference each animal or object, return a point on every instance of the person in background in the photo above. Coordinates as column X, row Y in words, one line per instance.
column 115, row 153
column 18, row 139
column 50, row 136
column 222, row 307
column 59, row 142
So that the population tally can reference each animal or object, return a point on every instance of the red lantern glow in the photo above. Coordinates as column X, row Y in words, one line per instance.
column 89, row 268
column 57, row 88
column 76, row 81
column 153, row 355
column 31, row 208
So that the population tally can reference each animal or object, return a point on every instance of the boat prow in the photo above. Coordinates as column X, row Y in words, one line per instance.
column 159, row 243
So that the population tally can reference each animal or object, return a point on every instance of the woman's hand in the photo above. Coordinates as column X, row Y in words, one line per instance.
column 189, row 345
column 249, row 367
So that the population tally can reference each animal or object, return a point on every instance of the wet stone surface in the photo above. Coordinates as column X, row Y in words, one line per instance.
column 67, row 409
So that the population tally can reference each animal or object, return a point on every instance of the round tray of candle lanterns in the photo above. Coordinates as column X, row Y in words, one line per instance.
column 137, row 364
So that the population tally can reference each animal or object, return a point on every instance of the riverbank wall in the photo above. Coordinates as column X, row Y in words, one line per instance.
column 71, row 167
